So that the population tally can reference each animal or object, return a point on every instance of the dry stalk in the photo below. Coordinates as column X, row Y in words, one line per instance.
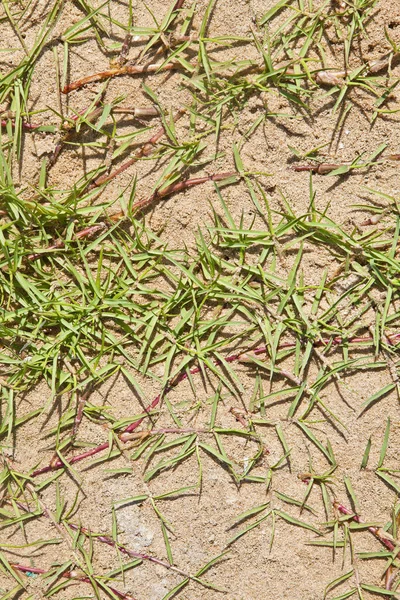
column 117, row 72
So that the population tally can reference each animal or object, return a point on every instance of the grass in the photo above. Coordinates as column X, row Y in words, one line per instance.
column 92, row 294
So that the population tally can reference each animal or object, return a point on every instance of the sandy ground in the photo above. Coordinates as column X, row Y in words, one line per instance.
column 201, row 520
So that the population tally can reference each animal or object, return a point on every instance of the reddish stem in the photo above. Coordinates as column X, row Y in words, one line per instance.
column 25, row 569
column 168, row 191
column 376, row 531
column 150, row 407
column 145, row 150
column 27, row 126
column 180, row 187
column 83, row 233
column 105, row 539
column 58, row 464
column 68, row 575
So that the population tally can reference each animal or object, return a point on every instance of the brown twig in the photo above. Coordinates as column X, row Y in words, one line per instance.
column 321, row 169
column 324, row 168
column 239, row 414
column 159, row 194
column 124, row 70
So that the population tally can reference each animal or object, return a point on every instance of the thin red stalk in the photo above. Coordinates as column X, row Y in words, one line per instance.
column 390, row 576
column 96, row 105
column 125, row 70
column 68, row 575
column 83, row 233
column 168, row 191
column 392, row 339
column 150, row 407
column 145, row 150
column 29, row 569
column 180, row 187
column 325, row 168
column 27, row 126
column 174, row 188
column 55, row 246
column 58, row 464
column 376, row 531
column 105, row 539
